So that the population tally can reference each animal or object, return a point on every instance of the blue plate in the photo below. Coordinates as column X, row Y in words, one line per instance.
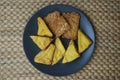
column 59, row 69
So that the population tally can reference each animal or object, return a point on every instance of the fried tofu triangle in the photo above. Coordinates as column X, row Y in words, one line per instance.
column 45, row 56
column 56, row 23
column 73, row 20
column 41, row 42
column 43, row 29
column 59, row 51
column 71, row 53
column 83, row 41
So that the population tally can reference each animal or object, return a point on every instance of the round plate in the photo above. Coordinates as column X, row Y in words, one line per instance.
column 59, row 69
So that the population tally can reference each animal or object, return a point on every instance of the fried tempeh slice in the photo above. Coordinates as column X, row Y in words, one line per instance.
column 45, row 56
column 56, row 23
column 73, row 19
column 41, row 42
column 71, row 53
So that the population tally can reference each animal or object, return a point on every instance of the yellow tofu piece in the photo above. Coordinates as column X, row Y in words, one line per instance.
column 59, row 51
column 41, row 42
column 45, row 56
column 43, row 30
column 71, row 53
column 83, row 41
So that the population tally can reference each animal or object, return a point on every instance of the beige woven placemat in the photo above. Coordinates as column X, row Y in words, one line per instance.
column 104, row 15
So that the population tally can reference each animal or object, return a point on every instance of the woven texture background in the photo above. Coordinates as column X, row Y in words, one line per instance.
column 104, row 15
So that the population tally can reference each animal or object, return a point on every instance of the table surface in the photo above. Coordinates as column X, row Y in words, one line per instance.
column 103, row 14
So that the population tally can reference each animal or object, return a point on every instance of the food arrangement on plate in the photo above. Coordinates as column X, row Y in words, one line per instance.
column 51, row 29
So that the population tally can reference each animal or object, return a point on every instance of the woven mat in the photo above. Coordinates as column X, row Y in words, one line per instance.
column 104, row 15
